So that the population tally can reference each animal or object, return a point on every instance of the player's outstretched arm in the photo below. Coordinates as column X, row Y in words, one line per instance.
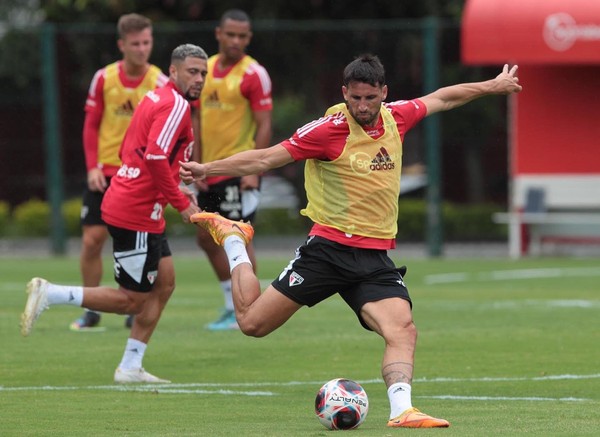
column 241, row 164
column 451, row 97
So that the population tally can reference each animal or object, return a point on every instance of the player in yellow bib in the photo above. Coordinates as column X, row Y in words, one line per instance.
column 235, row 115
column 114, row 93
column 352, row 175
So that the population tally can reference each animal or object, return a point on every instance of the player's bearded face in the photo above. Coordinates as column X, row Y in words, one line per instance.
column 189, row 76
column 364, row 102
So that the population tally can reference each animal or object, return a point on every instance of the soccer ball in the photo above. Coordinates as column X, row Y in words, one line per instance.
column 341, row 404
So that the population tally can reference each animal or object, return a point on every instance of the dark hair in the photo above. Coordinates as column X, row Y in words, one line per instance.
column 235, row 15
column 185, row 51
column 366, row 69
column 129, row 23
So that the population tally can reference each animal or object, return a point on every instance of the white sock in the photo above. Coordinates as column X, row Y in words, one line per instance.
column 226, row 287
column 235, row 248
column 64, row 295
column 400, row 399
column 133, row 355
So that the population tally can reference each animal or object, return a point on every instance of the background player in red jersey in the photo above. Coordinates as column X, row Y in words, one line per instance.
column 352, row 177
column 114, row 93
column 160, row 135
column 235, row 115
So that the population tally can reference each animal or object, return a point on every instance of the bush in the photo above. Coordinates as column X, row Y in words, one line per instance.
column 32, row 219
column 472, row 223
column 412, row 220
column 71, row 210
column 4, row 217
column 279, row 222
column 461, row 222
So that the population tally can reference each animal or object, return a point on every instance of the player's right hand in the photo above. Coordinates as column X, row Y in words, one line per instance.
column 191, row 171
column 96, row 180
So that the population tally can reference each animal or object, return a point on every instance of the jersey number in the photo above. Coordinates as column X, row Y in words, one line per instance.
column 232, row 194
column 156, row 212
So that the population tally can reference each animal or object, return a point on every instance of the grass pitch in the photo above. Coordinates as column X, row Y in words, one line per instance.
column 505, row 348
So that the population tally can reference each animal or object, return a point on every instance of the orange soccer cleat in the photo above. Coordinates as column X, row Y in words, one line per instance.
column 220, row 227
column 413, row 418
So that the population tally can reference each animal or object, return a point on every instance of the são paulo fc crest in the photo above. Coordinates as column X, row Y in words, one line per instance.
column 295, row 279
column 152, row 276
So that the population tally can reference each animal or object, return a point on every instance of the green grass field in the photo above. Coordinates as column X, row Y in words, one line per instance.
column 505, row 348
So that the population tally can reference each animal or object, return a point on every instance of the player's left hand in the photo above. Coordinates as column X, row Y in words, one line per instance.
column 507, row 81
column 189, row 194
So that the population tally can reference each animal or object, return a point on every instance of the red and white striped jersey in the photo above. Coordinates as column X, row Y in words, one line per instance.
column 159, row 136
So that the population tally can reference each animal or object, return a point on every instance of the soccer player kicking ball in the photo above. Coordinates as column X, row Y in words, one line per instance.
column 159, row 136
column 352, row 176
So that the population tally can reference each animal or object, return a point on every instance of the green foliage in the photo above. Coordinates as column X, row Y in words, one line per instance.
column 290, row 111
column 472, row 222
column 4, row 217
column 32, row 218
column 71, row 210
column 279, row 222
column 461, row 222
column 411, row 220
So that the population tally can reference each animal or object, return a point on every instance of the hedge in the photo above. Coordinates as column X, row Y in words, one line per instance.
column 461, row 222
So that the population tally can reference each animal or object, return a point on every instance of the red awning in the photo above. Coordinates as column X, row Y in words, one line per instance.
column 531, row 31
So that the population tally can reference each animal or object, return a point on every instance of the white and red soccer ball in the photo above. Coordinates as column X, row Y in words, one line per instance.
column 341, row 404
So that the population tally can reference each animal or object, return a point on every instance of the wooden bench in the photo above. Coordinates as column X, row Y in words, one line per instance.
column 536, row 224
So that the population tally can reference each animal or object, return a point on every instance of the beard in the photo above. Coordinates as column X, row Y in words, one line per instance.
column 365, row 119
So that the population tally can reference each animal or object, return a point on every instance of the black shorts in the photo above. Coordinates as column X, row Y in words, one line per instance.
column 90, row 206
column 229, row 200
column 323, row 268
column 136, row 256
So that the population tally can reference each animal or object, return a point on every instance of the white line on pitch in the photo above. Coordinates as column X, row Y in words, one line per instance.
column 220, row 387
column 501, row 398
column 511, row 275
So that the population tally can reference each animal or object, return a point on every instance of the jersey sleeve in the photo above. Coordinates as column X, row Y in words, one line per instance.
column 161, row 80
column 94, row 108
column 256, row 87
column 170, row 130
column 407, row 113
column 315, row 140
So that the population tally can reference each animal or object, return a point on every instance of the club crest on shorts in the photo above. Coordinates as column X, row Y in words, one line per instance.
column 295, row 279
column 152, row 276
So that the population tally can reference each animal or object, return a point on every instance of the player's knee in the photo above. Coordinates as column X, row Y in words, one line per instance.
column 252, row 329
column 165, row 291
column 133, row 305
column 92, row 243
column 400, row 332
